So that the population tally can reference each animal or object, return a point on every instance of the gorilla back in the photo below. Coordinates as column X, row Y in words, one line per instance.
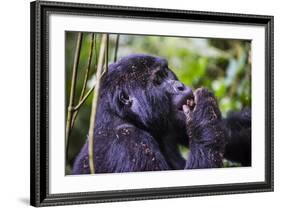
column 144, row 113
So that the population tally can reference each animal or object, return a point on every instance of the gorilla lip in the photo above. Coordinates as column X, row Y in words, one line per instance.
column 189, row 102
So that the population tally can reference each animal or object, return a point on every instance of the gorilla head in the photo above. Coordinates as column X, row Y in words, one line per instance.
column 142, row 90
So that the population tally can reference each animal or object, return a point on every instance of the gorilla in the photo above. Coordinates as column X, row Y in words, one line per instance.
column 145, row 113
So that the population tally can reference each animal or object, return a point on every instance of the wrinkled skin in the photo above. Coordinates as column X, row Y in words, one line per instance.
column 144, row 113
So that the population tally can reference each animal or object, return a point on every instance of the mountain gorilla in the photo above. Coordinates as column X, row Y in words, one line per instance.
column 144, row 113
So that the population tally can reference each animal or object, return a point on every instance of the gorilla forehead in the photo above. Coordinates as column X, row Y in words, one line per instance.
column 135, row 69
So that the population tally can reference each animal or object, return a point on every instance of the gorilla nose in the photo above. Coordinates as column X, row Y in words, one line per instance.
column 183, row 89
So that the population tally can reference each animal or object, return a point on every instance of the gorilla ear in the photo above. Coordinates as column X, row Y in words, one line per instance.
column 124, row 98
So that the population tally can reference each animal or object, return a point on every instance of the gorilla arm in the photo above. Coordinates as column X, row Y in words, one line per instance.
column 238, row 143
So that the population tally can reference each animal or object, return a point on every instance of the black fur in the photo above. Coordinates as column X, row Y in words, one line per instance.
column 140, row 121
column 238, row 144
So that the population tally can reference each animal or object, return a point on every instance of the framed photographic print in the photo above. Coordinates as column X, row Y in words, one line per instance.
column 132, row 103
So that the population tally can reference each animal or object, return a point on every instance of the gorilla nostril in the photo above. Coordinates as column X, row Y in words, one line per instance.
column 188, row 93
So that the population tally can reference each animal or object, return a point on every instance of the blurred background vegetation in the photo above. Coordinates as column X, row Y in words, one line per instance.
column 221, row 65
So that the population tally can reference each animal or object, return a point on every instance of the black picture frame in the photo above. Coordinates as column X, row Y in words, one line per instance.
column 39, row 191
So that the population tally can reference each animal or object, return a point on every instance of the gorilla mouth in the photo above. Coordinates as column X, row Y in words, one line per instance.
column 186, row 101
column 190, row 103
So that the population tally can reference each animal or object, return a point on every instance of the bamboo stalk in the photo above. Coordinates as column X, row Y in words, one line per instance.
column 88, row 66
column 82, row 98
column 106, row 53
column 99, row 74
column 76, row 108
column 116, row 47
column 72, row 90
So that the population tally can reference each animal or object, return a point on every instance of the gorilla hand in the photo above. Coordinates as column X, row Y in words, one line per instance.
column 205, row 130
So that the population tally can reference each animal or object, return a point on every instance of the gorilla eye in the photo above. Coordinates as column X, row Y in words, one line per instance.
column 125, row 99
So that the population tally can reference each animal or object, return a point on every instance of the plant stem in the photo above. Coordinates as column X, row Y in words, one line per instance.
column 116, row 47
column 106, row 53
column 72, row 90
column 82, row 98
column 88, row 66
column 95, row 101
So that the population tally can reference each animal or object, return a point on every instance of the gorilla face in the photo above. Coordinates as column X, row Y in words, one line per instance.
column 146, row 92
column 179, row 94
